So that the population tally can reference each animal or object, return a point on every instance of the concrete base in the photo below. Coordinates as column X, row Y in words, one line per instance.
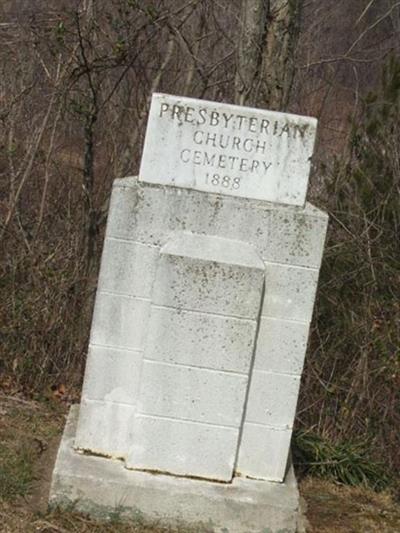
column 105, row 489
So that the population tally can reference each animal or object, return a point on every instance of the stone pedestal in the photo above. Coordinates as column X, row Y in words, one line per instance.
column 200, row 326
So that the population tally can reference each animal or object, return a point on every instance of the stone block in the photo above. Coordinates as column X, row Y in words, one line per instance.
column 297, row 236
column 213, row 248
column 127, row 268
column 195, row 394
column 263, row 452
column 112, row 375
column 281, row 346
column 119, row 321
column 272, row 399
column 209, row 274
column 185, row 448
column 243, row 152
column 148, row 214
column 289, row 292
column 105, row 428
column 225, row 343
column 123, row 211
column 162, row 210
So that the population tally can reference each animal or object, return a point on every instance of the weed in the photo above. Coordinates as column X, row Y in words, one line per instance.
column 16, row 471
column 345, row 462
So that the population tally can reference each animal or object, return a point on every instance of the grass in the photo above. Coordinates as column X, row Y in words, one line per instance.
column 16, row 471
column 344, row 462
column 25, row 430
column 334, row 508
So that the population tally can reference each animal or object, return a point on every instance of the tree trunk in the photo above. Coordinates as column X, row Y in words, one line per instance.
column 265, row 64
column 90, row 223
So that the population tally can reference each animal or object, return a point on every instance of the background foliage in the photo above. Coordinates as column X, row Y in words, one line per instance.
column 75, row 81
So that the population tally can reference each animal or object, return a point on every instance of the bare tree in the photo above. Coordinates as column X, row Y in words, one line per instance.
column 266, row 51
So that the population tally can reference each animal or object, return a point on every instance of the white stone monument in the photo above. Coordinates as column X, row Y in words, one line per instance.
column 205, row 295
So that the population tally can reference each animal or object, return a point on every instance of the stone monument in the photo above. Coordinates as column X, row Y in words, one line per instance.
column 205, row 294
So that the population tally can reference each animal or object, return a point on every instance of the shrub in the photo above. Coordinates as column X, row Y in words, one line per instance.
column 352, row 377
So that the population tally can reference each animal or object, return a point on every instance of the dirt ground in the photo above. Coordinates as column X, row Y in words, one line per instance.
column 29, row 435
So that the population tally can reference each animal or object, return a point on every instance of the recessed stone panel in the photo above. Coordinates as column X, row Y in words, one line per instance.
column 197, row 273
column 193, row 394
column 200, row 339
column 185, row 449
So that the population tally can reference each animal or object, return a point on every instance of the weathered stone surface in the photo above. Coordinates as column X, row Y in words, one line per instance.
column 105, row 428
column 231, row 338
column 297, row 237
column 127, row 268
column 172, row 446
column 196, row 394
column 104, row 488
column 227, row 149
column 209, row 274
column 213, row 248
column 263, row 452
column 216, row 277
column 148, row 214
column 112, row 374
column 272, row 399
column 289, row 292
column 145, row 218
column 119, row 321
column 281, row 346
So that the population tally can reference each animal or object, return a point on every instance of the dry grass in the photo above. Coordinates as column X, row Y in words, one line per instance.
column 350, row 395
column 335, row 508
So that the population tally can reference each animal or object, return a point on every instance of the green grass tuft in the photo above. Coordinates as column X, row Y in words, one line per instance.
column 16, row 471
column 345, row 462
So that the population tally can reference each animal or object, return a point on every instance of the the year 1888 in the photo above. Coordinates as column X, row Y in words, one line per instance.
column 222, row 181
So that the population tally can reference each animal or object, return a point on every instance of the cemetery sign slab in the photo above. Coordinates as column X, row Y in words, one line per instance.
column 228, row 149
